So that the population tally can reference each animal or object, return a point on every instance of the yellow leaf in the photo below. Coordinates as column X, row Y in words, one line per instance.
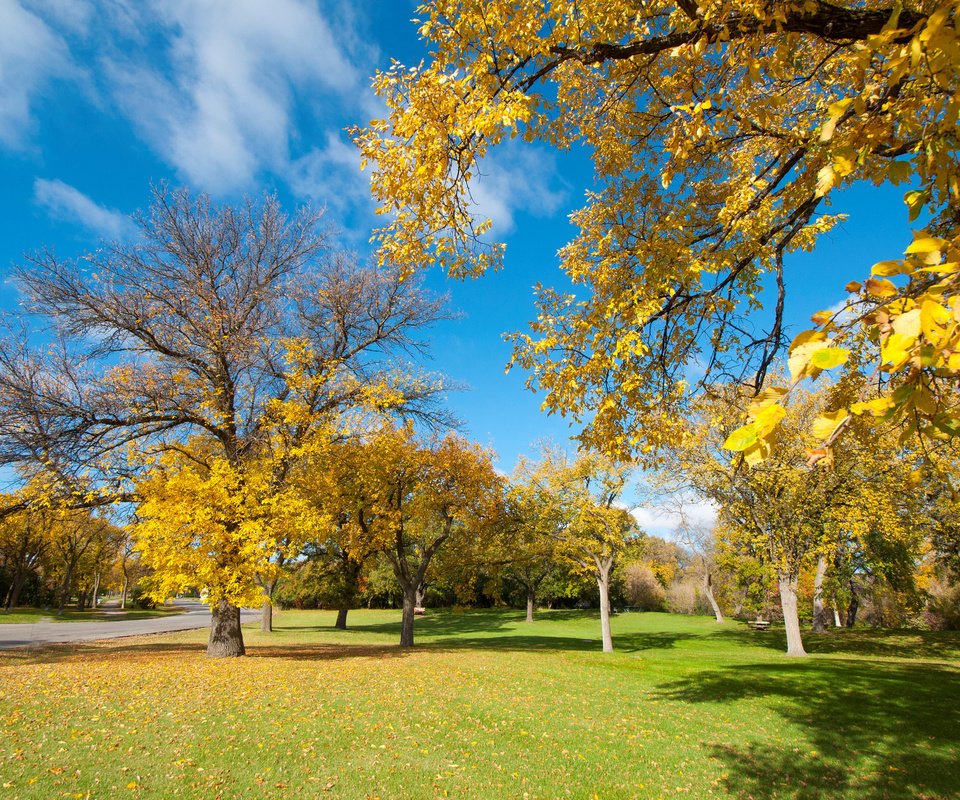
column 878, row 406
column 768, row 419
column 757, row 453
column 881, row 288
column 826, row 424
column 769, row 396
column 908, row 324
column 853, row 286
column 829, row 357
column 885, row 268
column 896, row 349
column 741, row 438
column 922, row 245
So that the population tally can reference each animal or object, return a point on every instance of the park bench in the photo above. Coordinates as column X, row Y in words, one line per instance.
column 758, row 624
column 418, row 610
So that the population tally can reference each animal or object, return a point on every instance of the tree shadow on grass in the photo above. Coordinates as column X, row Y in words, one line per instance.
column 875, row 730
column 860, row 642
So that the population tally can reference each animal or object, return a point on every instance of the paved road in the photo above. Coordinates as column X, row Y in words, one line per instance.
column 196, row 615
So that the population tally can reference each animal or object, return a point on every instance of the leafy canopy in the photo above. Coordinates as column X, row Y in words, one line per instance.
column 719, row 133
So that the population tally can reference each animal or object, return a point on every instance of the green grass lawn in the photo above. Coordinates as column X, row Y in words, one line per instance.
column 30, row 615
column 486, row 706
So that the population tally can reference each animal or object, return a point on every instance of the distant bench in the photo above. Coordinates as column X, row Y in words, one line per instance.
column 758, row 624
column 417, row 610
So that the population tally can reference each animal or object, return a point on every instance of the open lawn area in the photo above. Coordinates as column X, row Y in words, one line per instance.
column 486, row 706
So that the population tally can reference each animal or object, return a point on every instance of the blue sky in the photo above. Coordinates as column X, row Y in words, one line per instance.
column 236, row 97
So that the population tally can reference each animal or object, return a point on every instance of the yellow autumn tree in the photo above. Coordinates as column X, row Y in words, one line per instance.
column 719, row 135
column 783, row 512
column 194, row 367
column 580, row 511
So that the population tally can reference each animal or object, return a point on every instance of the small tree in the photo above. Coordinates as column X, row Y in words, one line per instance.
column 580, row 499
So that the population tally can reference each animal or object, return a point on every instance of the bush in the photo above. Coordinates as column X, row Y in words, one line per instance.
column 943, row 607
column 642, row 589
column 140, row 599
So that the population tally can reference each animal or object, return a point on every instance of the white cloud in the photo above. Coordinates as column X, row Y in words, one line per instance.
column 331, row 175
column 221, row 108
column 666, row 521
column 67, row 203
column 31, row 55
column 516, row 179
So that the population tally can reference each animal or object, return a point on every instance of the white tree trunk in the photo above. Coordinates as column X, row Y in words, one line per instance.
column 603, row 583
column 791, row 619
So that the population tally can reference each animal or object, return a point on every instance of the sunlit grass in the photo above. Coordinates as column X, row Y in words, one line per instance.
column 26, row 615
column 487, row 706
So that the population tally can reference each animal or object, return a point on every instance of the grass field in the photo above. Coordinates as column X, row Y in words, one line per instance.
column 31, row 615
column 486, row 706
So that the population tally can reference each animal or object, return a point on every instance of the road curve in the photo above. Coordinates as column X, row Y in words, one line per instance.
column 35, row 634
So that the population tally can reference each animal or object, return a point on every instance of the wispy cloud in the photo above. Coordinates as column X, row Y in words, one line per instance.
column 666, row 521
column 517, row 180
column 220, row 107
column 71, row 205
column 31, row 55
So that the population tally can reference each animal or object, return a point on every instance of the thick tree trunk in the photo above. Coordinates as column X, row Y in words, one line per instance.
column 266, row 617
column 341, row 622
column 13, row 598
column 819, row 612
column 852, row 610
column 65, row 590
column 531, row 600
column 791, row 619
column 603, row 584
column 96, row 591
column 406, row 626
column 226, row 635
column 708, row 593
column 421, row 595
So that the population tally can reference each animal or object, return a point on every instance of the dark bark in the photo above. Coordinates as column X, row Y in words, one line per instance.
column 791, row 617
column 19, row 581
column 341, row 623
column 266, row 617
column 819, row 610
column 531, row 601
column 824, row 21
column 852, row 610
column 406, row 625
column 226, row 635
column 65, row 590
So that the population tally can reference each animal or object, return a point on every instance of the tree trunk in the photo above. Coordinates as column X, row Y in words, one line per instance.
column 791, row 620
column 852, row 610
column 708, row 593
column 421, row 594
column 603, row 584
column 65, row 590
column 836, row 618
column 406, row 627
column 96, row 591
column 531, row 600
column 123, row 594
column 819, row 612
column 341, row 623
column 13, row 598
column 226, row 635
column 266, row 617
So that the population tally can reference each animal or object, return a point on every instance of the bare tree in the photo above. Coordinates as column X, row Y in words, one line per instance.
column 185, row 336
